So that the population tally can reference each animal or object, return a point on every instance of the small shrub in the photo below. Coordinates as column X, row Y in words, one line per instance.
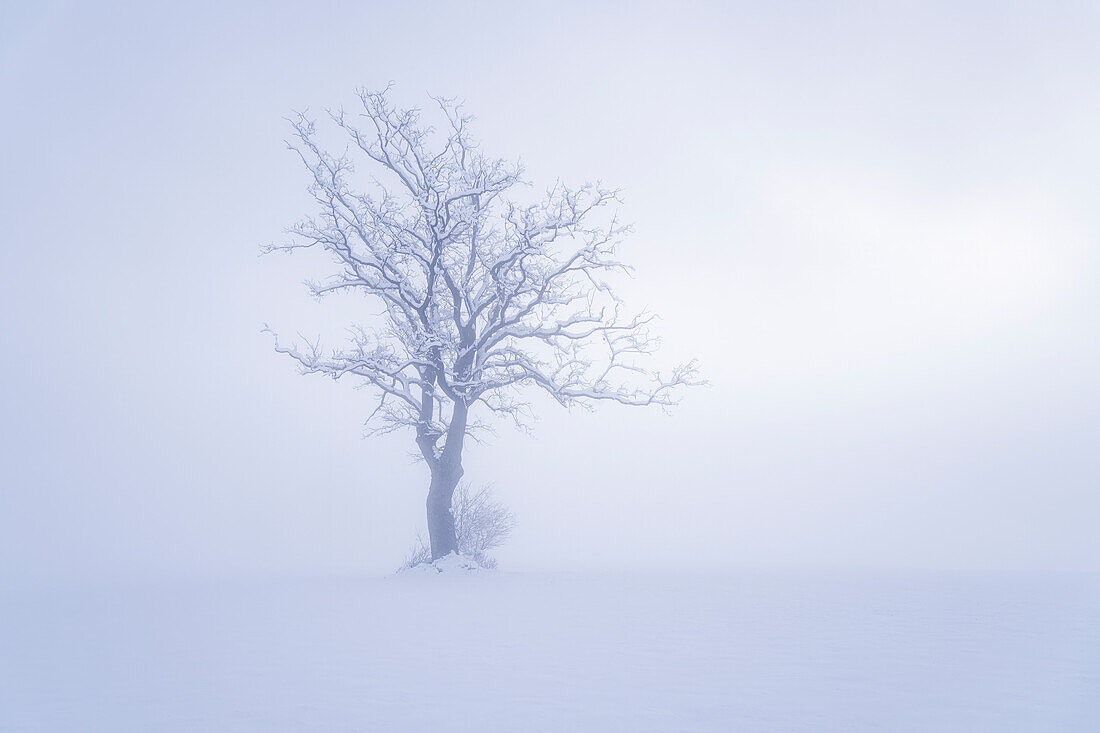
column 482, row 524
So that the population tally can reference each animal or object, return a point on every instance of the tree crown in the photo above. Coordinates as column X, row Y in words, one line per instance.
column 483, row 295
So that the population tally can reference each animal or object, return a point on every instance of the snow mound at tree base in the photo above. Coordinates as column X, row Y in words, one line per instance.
column 452, row 564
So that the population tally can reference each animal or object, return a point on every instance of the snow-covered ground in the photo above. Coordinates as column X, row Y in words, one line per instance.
column 546, row 652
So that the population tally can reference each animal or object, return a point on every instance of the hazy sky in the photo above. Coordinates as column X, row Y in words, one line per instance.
column 876, row 227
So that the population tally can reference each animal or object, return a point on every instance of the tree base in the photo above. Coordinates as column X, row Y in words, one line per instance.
column 451, row 564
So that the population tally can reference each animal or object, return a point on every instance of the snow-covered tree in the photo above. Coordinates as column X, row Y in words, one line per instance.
column 484, row 295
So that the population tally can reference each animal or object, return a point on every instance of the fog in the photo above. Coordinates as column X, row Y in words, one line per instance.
column 877, row 232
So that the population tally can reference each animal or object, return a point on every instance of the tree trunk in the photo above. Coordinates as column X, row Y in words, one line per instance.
column 441, row 522
column 446, row 472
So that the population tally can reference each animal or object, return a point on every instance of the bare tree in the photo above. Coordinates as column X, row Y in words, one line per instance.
column 483, row 295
